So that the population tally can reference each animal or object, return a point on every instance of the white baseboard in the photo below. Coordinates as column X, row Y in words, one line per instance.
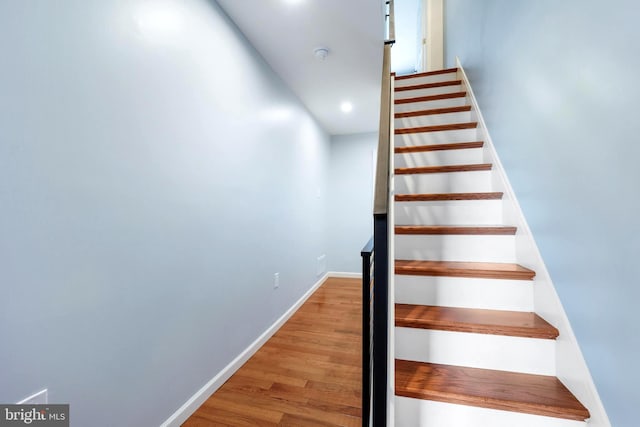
column 344, row 275
column 191, row 405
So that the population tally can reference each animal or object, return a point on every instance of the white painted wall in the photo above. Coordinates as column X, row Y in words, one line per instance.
column 350, row 210
column 555, row 93
column 154, row 175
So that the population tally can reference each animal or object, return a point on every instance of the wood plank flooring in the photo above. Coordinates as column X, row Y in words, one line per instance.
column 307, row 374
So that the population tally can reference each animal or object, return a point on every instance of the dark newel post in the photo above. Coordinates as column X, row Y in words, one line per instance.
column 366, row 333
column 380, row 319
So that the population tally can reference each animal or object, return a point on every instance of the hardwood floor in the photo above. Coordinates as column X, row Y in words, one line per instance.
column 307, row 374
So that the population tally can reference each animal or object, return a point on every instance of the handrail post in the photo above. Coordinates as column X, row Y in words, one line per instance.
column 380, row 320
column 366, row 254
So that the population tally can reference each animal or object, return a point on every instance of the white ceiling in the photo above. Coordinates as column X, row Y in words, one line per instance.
column 286, row 32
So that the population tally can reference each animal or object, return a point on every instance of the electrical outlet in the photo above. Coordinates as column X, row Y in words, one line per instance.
column 276, row 280
column 322, row 265
column 39, row 398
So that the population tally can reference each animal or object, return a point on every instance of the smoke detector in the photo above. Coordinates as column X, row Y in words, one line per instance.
column 321, row 53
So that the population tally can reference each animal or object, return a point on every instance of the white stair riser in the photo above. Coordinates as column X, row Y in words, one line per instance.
column 427, row 413
column 498, row 352
column 428, row 105
column 441, row 137
column 439, row 158
column 456, row 248
column 432, row 120
column 452, row 212
column 489, row 294
column 404, row 94
column 447, row 182
column 427, row 79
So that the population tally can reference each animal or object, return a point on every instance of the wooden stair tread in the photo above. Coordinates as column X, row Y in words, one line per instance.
column 444, row 169
column 456, row 230
column 508, row 391
column 433, row 111
column 438, row 147
column 431, row 97
column 426, row 74
column 479, row 321
column 447, row 196
column 486, row 270
column 437, row 128
column 429, row 85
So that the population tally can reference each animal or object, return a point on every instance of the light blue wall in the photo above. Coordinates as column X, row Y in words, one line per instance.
column 154, row 175
column 557, row 84
column 351, row 199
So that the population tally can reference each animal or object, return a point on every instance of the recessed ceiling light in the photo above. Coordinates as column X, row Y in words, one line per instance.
column 346, row 107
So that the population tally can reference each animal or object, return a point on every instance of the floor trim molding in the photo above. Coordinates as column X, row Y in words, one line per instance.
column 344, row 275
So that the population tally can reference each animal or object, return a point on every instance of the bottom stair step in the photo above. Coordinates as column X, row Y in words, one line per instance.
column 429, row 413
column 501, row 390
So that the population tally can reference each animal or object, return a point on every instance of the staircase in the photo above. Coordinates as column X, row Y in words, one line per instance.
column 470, row 350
